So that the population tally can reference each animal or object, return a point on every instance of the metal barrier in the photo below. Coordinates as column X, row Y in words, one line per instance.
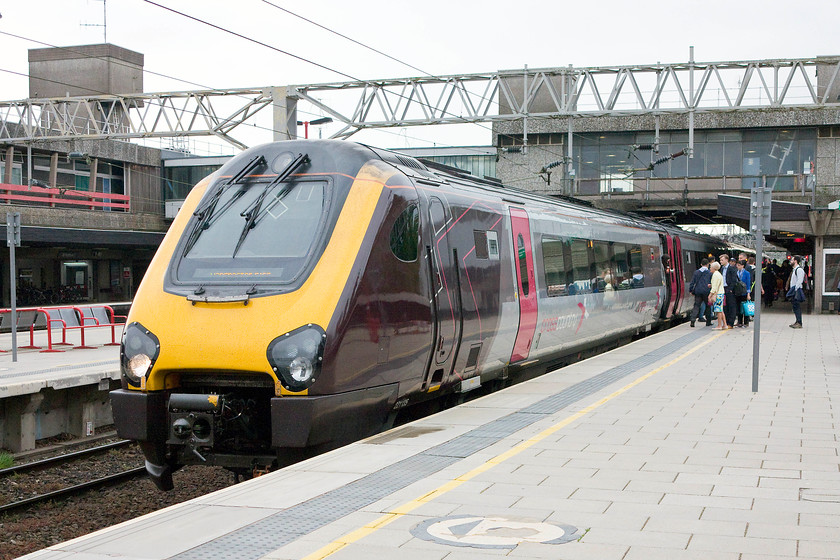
column 61, row 196
column 65, row 317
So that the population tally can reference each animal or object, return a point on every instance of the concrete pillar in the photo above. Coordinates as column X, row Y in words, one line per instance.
column 81, row 411
column 53, row 182
column 94, row 164
column 10, row 157
column 284, row 109
column 21, row 423
column 828, row 79
column 818, row 273
column 820, row 222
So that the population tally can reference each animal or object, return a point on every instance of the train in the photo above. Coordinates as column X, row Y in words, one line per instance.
column 311, row 292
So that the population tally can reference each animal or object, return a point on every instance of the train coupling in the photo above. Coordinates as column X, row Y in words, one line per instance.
column 191, row 421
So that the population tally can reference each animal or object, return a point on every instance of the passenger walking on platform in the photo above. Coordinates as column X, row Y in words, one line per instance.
column 795, row 294
column 744, row 278
column 730, row 276
column 700, row 286
column 768, row 283
column 717, row 296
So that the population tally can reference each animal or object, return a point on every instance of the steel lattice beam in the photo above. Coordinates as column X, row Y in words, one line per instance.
column 191, row 113
column 692, row 87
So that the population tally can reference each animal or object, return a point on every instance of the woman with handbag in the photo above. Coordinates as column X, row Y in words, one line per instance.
column 795, row 294
column 716, row 297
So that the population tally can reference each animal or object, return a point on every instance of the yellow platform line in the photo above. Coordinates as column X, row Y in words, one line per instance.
column 403, row 509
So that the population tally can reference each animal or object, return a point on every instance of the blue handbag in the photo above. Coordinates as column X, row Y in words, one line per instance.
column 748, row 308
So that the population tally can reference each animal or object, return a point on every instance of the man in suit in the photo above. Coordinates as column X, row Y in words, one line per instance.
column 700, row 284
column 730, row 276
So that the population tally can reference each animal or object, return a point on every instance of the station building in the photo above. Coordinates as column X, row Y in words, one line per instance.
column 91, row 210
column 94, row 211
column 640, row 163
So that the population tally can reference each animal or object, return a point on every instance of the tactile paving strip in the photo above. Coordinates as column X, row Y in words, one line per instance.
column 268, row 534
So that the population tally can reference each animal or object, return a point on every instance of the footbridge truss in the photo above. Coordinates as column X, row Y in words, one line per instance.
column 564, row 92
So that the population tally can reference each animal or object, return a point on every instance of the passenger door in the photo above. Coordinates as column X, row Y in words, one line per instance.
column 671, row 289
column 446, row 294
column 526, row 284
column 679, row 273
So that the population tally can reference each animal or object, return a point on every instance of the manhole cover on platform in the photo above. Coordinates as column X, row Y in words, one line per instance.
column 492, row 532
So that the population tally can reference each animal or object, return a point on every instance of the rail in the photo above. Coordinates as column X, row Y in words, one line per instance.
column 75, row 489
column 56, row 197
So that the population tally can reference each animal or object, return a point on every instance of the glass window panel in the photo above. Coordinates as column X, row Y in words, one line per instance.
column 723, row 136
column 783, row 183
column 663, row 169
column 807, row 154
column 832, row 272
column 637, row 278
column 732, row 159
column 714, row 159
column 523, row 264
column 554, row 266
column 618, row 138
column 580, row 267
column 603, row 270
column 697, row 164
column 17, row 175
column 620, row 260
column 589, row 162
column 276, row 248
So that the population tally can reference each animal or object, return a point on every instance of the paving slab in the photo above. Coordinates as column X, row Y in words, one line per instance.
column 676, row 458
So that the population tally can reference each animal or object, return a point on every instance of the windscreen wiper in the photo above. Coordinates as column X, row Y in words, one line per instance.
column 206, row 211
column 253, row 211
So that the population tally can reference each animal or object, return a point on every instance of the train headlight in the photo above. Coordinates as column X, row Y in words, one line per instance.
column 138, row 352
column 296, row 356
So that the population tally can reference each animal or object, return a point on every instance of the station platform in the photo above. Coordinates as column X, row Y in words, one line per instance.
column 44, row 394
column 656, row 450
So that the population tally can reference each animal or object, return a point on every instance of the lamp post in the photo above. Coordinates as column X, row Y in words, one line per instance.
column 316, row 122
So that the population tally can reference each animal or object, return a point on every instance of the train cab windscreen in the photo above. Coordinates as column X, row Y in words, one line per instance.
column 255, row 233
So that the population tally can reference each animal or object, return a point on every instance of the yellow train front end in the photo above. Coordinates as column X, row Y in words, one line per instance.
column 229, row 329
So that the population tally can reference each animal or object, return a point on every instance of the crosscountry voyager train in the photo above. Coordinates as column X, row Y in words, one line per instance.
column 309, row 291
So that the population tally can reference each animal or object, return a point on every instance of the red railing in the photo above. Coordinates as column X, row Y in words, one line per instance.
column 64, row 317
column 60, row 196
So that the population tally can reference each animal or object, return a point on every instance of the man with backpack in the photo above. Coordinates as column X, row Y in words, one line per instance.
column 701, row 283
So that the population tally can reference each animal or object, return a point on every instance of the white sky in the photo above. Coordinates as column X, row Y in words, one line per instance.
column 439, row 37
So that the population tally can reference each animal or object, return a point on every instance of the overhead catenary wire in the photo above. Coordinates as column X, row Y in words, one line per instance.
column 306, row 60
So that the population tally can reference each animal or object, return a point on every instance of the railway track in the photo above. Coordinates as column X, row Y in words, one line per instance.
column 74, row 489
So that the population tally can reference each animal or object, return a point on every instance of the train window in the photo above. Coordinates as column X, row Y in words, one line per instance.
column 621, row 266
column 405, row 235
column 275, row 245
column 480, row 239
column 554, row 265
column 603, row 271
column 651, row 266
column 523, row 264
column 493, row 245
column 580, row 267
column 637, row 278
